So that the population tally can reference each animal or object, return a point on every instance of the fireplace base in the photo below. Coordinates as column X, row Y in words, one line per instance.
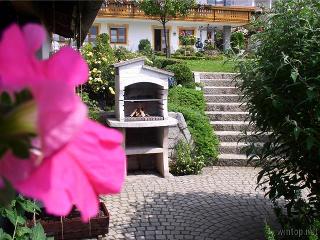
column 145, row 141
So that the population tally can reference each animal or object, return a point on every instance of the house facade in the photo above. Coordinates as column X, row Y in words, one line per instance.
column 126, row 24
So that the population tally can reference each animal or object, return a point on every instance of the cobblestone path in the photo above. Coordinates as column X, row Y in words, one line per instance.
column 220, row 204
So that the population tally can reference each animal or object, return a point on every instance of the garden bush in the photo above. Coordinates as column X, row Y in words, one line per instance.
column 164, row 62
column 206, row 142
column 13, row 219
column 187, row 40
column 282, row 89
column 123, row 54
column 145, row 46
column 199, row 54
column 188, row 97
column 182, row 74
column 237, row 41
column 99, row 57
column 185, row 51
column 186, row 161
column 93, row 106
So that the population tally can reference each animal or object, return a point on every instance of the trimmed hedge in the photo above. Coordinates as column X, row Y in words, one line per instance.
column 164, row 62
column 187, row 97
column 206, row 142
column 182, row 74
column 191, row 104
column 204, row 57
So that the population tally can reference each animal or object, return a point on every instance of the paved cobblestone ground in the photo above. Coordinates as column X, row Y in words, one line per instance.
column 221, row 204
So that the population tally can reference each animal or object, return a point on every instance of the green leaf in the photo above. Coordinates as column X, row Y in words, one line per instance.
column 38, row 233
column 11, row 215
column 4, row 236
column 310, row 142
column 294, row 75
column 29, row 206
column 23, row 231
column 7, row 194
column 5, row 99
column 296, row 132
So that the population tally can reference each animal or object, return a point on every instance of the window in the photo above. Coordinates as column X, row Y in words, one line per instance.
column 92, row 34
column 118, row 35
column 184, row 32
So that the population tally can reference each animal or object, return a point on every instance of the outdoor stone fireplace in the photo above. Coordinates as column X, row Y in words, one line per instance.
column 141, row 98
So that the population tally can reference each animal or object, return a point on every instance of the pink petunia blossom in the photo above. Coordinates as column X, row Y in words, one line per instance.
column 78, row 158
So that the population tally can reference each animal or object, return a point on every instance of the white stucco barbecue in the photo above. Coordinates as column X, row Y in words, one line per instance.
column 143, row 88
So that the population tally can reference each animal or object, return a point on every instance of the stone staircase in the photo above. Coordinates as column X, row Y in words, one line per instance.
column 227, row 116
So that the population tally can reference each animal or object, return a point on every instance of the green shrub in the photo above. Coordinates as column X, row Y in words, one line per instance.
column 93, row 106
column 282, row 89
column 160, row 54
column 187, row 97
column 182, row 74
column 186, row 162
column 185, row 51
column 208, row 46
column 206, row 142
column 123, row 54
column 189, row 57
column 164, row 62
column 269, row 233
column 218, row 40
column 187, row 40
column 237, row 41
column 99, row 57
column 14, row 219
column 145, row 46
column 199, row 54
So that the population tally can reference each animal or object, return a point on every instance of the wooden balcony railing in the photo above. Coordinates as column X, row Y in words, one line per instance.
column 201, row 13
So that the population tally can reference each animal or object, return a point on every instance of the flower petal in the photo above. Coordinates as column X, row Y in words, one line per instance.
column 34, row 35
column 61, row 114
column 16, row 63
column 101, row 158
column 68, row 67
column 59, row 183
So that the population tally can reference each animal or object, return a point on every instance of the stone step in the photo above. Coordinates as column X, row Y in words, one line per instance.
column 229, row 107
column 221, row 90
column 218, row 82
column 222, row 98
column 232, row 160
column 217, row 75
column 232, row 148
column 227, row 116
column 238, row 136
column 231, row 126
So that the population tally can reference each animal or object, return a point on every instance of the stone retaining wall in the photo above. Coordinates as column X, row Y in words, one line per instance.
column 178, row 132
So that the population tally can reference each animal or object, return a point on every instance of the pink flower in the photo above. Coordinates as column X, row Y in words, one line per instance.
column 78, row 158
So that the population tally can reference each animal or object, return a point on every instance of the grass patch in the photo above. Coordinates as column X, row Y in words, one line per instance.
column 210, row 65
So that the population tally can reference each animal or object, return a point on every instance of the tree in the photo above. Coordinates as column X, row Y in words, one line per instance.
column 281, row 86
column 164, row 11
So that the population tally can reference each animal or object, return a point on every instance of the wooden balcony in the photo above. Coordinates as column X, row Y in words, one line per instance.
column 202, row 13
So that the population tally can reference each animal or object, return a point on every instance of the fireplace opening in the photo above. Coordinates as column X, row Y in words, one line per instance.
column 143, row 102
column 143, row 137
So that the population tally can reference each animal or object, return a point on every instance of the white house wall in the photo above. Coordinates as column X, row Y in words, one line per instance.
column 143, row 29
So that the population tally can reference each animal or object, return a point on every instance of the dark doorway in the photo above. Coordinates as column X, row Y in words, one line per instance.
column 157, row 40
column 159, row 43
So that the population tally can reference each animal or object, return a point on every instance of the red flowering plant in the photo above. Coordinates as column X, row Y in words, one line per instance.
column 49, row 149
